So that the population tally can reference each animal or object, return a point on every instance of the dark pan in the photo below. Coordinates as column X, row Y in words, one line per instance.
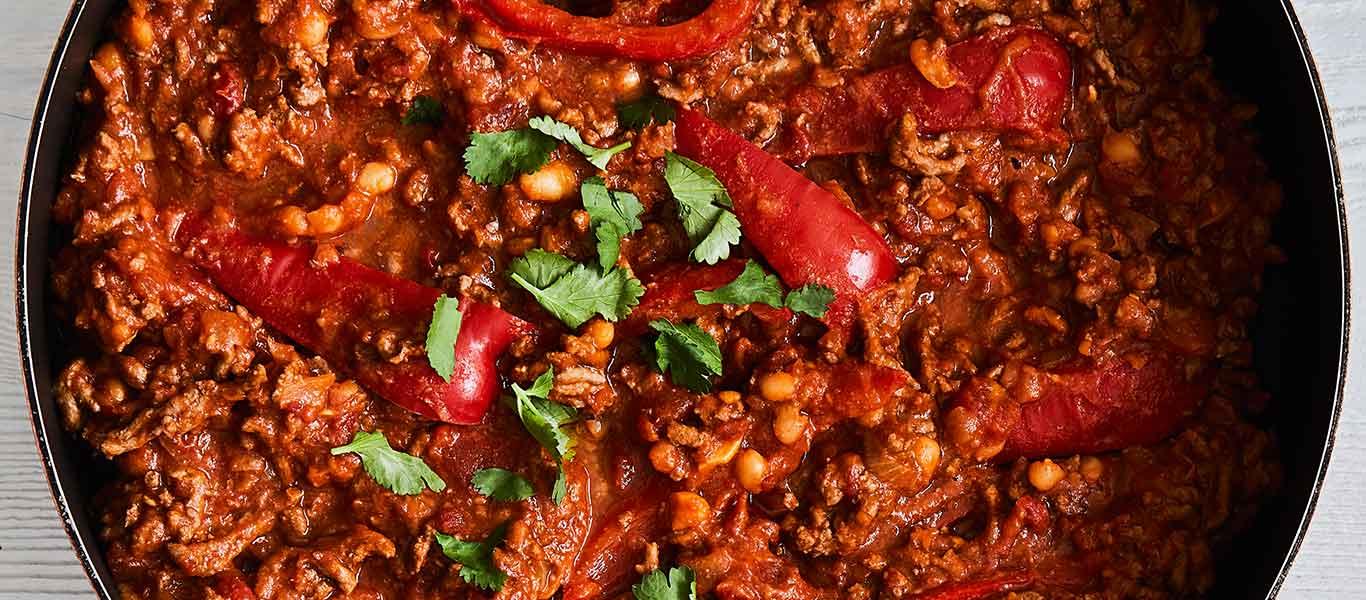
column 1300, row 336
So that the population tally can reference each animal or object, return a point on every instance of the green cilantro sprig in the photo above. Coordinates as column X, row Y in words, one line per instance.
column 442, row 333
column 575, row 292
column 547, row 422
column 678, row 584
column 476, row 558
column 613, row 214
column 400, row 472
column 563, row 132
column 754, row 286
column 495, row 158
column 650, row 108
column 424, row 109
column 502, row 485
column 688, row 354
column 811, row 299
column 703, row 206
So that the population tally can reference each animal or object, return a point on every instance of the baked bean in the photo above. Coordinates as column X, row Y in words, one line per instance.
column 777, row 387
column 375, row 178
column 552, row 183
column 687, row 510
column 789, row 423
column 602, row 332
column 932, row 60
column 927, row 453
column 750, row 469
column 140, row 32
column 1120, row 148
column 1044, row 474
column 1092, row 468
column 311, row 29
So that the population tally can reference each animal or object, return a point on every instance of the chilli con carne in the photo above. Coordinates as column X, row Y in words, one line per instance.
column 742, row 300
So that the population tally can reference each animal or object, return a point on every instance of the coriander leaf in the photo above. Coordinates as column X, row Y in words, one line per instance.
column 546, row 421
column 752, row 286
column 567, row 134
column 811, row 299
column 702, row 206
column 637, row 114
column 476, row 558
column 400, row 472
column 424, row 109
column 614, row 214
column 677, row 584
column 495, row 158
column 543, row 419
column 541, row 268
column 561, row 488
column 501, row 484
column 442, row 333
column 689, row 355
column 575, row 296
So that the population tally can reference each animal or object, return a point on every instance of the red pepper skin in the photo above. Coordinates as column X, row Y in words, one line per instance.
column 671, row 295
column 977, row 590
column 1010, row 79
column 326, row 308
column 805, row 232
column 606, row 565
column 1086, row 407
column 718, row 25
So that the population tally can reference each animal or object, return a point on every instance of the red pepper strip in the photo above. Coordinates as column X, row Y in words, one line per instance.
column 802, row 230
column 326, row 309
column 718, row 25
column 1084, row 407
column 231, row 586
column 1010, row 79
column 670, row 295
column 606, row 566
column 977, row 590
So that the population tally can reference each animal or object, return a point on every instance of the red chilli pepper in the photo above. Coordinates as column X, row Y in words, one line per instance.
column 328, row 308
column 805, row 232
column 716, row 27
column 1010, row 79
column 1083, row 408
column 977, row 590
column 671, row 294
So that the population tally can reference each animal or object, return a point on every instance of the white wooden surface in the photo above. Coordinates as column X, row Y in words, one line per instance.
column 36, row 562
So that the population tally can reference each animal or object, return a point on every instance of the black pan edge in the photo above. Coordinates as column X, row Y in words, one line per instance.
column 41, row 138
column 1330, row 142
column 42, row 164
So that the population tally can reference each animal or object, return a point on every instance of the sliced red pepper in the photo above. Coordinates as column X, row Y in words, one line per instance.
column 713, row 29
column 1081, row 408
column 606, row 566
column 329, row 308
column 802, row 230
column 1009, row 79
column 671, row 295
column 977, row 590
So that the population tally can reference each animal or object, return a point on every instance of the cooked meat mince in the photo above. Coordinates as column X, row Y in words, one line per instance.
column 780, row 299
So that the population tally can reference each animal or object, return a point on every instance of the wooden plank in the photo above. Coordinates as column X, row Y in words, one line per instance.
column 36, row 562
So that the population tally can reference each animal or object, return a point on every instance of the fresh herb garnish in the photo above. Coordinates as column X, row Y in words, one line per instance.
column 476, row 558
column 677, row 584
column 614, row 214
column 441, row 335
column 501, row 484
column 495, row 158
column 639, row 113
column 687, row 353
column 575, row 292
column 703, row 206
column 400, row 472
column 567, row 134
column 547, row 422
column 752, row 286
column 424, row 109
column 811, row 299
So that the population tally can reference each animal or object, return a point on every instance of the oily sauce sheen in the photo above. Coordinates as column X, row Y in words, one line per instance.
column 1036, row 385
